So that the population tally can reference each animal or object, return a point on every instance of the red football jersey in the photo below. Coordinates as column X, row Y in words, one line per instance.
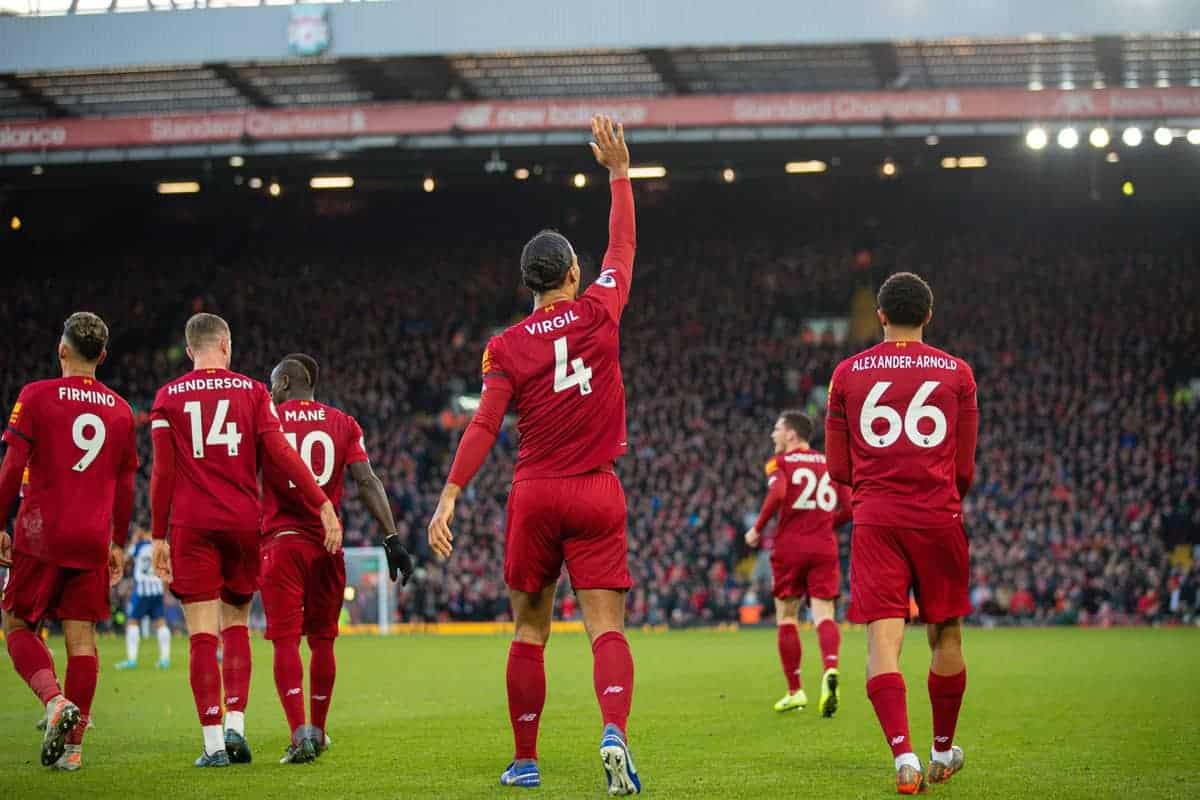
column 809, row 497
column 327, row 440
column 215, row 417
column 82, row 440
column 902, row 404
column 564, row 365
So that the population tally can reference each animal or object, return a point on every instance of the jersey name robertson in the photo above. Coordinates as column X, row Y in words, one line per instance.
column 810, row 499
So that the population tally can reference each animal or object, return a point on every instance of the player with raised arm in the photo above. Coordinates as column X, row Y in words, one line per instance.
column 901, row 429
column 75, row 436
column 303, row 584
column 561, row 369
column 804, row 558
column 145, row 602
column 210, row 428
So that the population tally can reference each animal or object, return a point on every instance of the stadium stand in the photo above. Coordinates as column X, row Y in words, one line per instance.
column 1087, row 500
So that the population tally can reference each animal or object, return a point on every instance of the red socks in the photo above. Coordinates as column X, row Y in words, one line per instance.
column 887, row 695
column 32, row 661
column 789, row 655
column 830, row 639
column 82, row 672
column 526, row 678
column 322, row 670
column 945, row 696
column 205, row 676
column 289, row 680
column 612, row 676
column 235, row 666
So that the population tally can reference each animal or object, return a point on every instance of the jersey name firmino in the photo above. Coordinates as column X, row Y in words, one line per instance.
column 87, row 396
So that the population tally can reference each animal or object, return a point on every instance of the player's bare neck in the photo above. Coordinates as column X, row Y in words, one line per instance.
column 540, row 301
column 209, row 361
column 74, row 369
column 896, row 333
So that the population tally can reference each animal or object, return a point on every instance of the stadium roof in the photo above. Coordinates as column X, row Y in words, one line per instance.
column 1165, row 60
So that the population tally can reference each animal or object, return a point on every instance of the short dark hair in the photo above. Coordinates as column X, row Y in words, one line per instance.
column 87, row 335
column 203, row 330
column 545, row 260
column 309, row 363
column 800, row 423
column 905, row 299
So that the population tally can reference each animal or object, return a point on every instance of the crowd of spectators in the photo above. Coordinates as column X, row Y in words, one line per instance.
column 1086, row 349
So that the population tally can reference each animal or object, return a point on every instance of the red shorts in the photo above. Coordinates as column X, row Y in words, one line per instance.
column 580, row 520
column 886, row 562
column 302, row 587
column 811, row 573
column 207, row 565
column 38, row 590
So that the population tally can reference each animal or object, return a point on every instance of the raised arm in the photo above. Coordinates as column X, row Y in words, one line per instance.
column 616, row 271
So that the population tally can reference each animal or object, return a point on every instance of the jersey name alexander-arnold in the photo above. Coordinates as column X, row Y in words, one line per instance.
column 304, row 415
column 805, row 457
column 209, row 384
column 903, row 362
column 552, row 324
column 87, row 396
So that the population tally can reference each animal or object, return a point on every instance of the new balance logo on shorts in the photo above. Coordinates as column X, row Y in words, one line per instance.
column 897, row 740
column 614, row 690
column 527, row 718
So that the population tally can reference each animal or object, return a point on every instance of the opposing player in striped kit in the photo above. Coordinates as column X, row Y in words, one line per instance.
column 145, row 602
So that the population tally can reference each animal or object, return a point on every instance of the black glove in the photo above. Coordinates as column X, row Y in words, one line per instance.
column 399, row 561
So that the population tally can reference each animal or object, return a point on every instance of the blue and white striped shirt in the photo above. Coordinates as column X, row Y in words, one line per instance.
column 145, row 582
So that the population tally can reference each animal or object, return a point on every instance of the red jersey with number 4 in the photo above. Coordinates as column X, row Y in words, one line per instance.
column 563, row 363
column 808, row 500
column 216, row 418
column 327, row 440
column 903, row 405
column 82, row 440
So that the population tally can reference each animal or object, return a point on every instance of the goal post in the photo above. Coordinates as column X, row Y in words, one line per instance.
column 370, row 595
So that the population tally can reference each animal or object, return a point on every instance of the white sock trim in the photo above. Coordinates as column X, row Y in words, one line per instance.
column 133, row 638
column 944, row 757
column 214, row 738
column 907, row 758
column 164, row 644
column 236, row 721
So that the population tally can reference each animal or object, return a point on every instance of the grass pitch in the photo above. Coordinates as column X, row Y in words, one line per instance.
column 1048, row 714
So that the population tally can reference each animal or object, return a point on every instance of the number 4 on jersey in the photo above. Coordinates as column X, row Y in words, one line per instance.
column 579, row 375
